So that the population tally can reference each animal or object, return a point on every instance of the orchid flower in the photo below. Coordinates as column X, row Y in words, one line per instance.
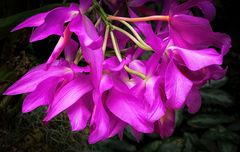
column 119, row 87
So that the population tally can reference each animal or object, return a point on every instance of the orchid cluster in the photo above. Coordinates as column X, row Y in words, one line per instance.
column 105, row 82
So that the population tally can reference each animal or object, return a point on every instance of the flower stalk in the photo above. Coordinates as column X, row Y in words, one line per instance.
column 140, row 19
column 118, row 54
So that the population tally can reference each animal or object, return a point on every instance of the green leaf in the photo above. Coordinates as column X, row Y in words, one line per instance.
column 188, row 145
column 227, row 147
column 235, row 126
column 173, row 144
column 179, row 118
column 152, row 147
column 206, row 121
column 6, row 24
column 216, row 97
column 221, row 134
column 216, row 83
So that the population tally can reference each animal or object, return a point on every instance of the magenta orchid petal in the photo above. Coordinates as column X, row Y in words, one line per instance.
column 70, row 50
column 30, row 80
column 177, row 86
column 126, row 107
column 193, row 101
column 84, row 5
column 138, row 65
column 196, row 33
column 99, row 121
column 116, row 125
column 79, row 113
column 137, row 3
column 206, row 7
column 105, row 84
column 166, row 124
column 197, row 59
column 33, row 21
column 54, row 23
column 63, row 41
column 85, row 30
column 42, row 95
column 156, row 106
column 113, row 64
column 68, row 95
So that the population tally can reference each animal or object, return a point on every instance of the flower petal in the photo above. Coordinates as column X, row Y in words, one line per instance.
column 166, row 124
column 33, row 21
column 206, row 7
column 177, row 86
column 43, row 94
column 197, row 59
column 196, row 33
column 68, row 95
column 79, row 113
column 193, row 101
column 60, row 46
column 84, row 5
column 70, row 50
column 127, row 108
column 100, row 121
column 54, row 23
column 30, row 80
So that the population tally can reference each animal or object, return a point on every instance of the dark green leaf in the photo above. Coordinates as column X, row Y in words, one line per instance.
column 216, row 97
column 152, row 147
column 216, row 83
column 221, row 134
column 171, row 145
column 206, row 121
column 227, row 147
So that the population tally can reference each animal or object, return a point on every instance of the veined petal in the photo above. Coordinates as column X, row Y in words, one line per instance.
column 113, row 64
column 138, row 65
column 100, row 121
column 54, row 23
column 68, row 95
column 206, row 7
column 85, row 30
column 106, row 83
column 166, row 124
column 60, row 46
column 197, row 59
column 79, row 113
column 156, row 107
column 196, row 33
column 33, row 21
column 84, row 5
column 116, row 124
column 177, row 86
column 43, row 94
column 193, row 101
column 127, row 108
column 30, row 80
column 137, row 3
column 70, row 50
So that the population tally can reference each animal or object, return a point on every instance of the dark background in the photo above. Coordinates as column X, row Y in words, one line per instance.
column 215, row 128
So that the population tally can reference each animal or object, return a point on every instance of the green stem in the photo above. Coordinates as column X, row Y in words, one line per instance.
column 104, row 46
column 101, row 12
column 118, row 54
column 134, row 33
column 144, row 47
